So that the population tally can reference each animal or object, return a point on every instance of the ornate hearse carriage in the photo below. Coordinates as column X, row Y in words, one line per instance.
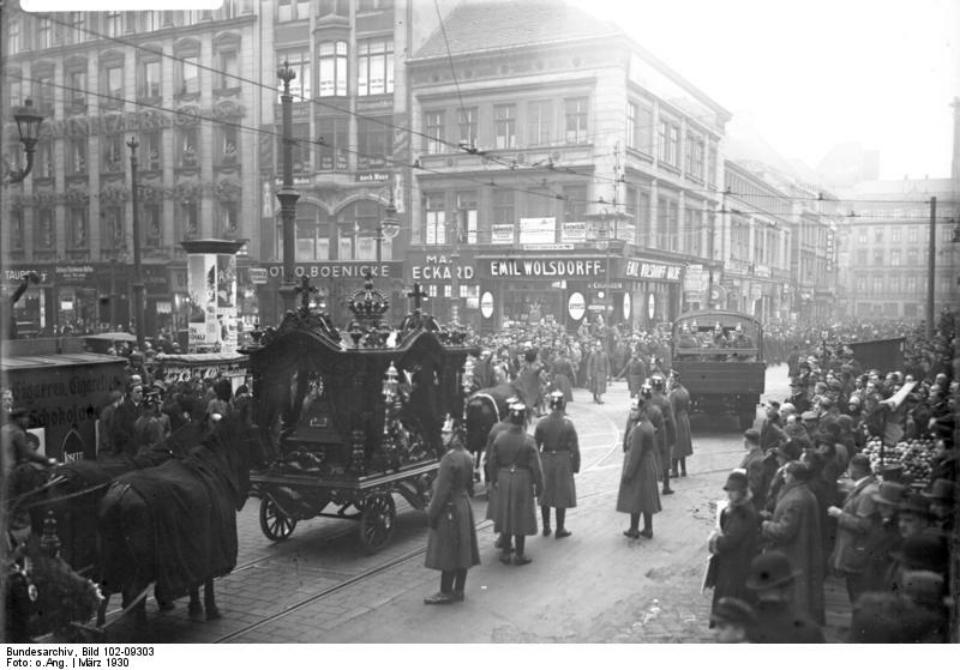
column 354, row 416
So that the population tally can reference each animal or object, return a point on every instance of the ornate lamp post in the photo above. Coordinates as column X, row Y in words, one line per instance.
column 28, row 127
column 388, row 227
column 287, row 195
column 138, row 308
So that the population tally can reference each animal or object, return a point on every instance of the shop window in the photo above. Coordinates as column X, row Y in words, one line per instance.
column 356, row 226
column 313, row 233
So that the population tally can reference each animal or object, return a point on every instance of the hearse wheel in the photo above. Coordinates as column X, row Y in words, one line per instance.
column 377, row 521
column 274, row 523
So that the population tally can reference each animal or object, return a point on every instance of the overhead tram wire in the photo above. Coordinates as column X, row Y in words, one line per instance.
column 446, row 42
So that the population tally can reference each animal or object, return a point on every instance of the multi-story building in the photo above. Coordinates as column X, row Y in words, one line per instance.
column 183, row 84
column 884, row 245
column 563, row 170
column 755, row 245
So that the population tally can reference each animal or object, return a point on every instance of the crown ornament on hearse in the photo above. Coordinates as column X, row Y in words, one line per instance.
column 366, row 329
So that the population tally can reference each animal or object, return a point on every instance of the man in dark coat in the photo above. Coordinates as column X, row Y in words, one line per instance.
column 452, row 544
column 556, row 438
column 771, row 578
column 795, row 530
column 668, row 436
column 734, row 545
column 598, row 370
column 517, row 479
column 637, row 494
column 124, row 436
column 679, row 398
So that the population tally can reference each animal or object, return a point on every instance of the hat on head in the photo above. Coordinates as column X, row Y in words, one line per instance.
column 770, row 570
column 787, row 408
column 861, row 461
column 801, row 471
column 733, row 611
column 752, row 435
column 737, row 481
column 889, row 493
column 943, row 490
column 789, row 450
column 518, row 413
column 557, row 401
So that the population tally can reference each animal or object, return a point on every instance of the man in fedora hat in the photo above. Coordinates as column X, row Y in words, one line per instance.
column 914, row 516
column 772, row 579
column 857, row 523
column 942, row 497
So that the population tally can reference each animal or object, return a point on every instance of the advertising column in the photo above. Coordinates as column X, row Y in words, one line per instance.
column 212, row 286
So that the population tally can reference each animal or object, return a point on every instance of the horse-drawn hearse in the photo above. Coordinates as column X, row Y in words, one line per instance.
column 356, row 416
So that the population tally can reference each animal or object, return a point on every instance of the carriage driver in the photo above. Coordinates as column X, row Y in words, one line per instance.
column 556, row 438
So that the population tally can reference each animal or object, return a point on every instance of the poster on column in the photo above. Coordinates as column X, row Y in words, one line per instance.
column 202, row 284
column 227, row 302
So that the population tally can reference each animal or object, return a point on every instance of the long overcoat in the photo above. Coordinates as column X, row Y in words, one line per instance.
column 680, row 403
column 452, row 542
column 795, row 530
column 734, row 549
column 636, row 373
column 638, row 491
column 559, row 446
column 598, row 369
column 563, row 377
column 517, row 480
column 667, row 436
column 529, row 382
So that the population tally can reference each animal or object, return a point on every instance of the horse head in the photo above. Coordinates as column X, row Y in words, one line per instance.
column 236, row 439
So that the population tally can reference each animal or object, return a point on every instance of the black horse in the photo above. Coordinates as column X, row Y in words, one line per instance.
column 175, row 525
column 484, row 408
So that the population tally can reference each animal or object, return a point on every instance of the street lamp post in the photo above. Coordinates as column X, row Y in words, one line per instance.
column 137, row 269
column 28, row 127
column 388, row 227
column 287, row 195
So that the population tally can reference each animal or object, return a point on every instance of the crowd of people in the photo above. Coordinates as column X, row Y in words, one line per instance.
column 810, row 500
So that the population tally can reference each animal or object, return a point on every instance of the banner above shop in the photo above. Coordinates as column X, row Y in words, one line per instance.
column 649, row 270
column 337, row 270
column 546, row 267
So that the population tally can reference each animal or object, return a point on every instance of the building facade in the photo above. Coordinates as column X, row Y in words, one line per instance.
column 182, row 85
column 756, row 246
column 884, row 245
column 563, row 172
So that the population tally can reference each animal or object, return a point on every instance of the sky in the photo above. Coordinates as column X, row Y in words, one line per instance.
column 814, row 74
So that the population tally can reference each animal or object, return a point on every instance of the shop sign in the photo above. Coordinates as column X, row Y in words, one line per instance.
column 546, row 268
column 372, row 176
column 17, row 276
column 501, row 233
column 646, row 270
column 257, row 275
column 762, row 271
column 695, row 279
column 338, row 270
column 573, row 231
column 576, row 306
column 486, row 305
column 73, row 273
column 737, row 266
column 601, row 286
column 538, row 231
column 556, row 246
column 440, row 267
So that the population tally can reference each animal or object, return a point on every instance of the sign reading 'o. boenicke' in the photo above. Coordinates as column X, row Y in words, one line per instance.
column 546, row 268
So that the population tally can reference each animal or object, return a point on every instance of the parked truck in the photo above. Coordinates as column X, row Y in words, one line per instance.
column 719, row 357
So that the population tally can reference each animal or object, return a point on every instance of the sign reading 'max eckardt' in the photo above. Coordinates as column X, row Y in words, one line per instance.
column 546, row 268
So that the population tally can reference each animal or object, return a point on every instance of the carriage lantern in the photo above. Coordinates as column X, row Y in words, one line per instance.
column 390, row 384
column 467, row 376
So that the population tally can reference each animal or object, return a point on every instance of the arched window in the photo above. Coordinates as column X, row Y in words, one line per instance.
column 313, row 233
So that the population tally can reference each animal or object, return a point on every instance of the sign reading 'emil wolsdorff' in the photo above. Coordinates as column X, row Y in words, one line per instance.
column 546, row 268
